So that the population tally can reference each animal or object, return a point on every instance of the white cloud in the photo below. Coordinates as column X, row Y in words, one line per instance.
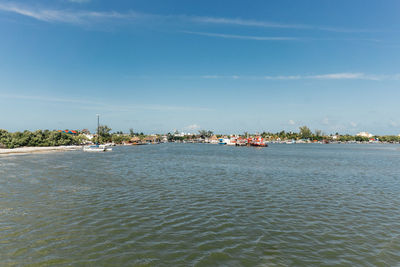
column 353, row 124
column 65, row 16
column 243, row 37
column 291, row 122
column 325, row 121
column 244, row 22
column 332, row 76
column 192, row 127
column 97, row 105
column 346, row 76
column 79, row 17
column 268, row 24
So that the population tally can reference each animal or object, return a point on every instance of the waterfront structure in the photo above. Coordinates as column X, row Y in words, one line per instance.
column 152, row 139
column 89, row 136
column 213, row 139
column 135, row 140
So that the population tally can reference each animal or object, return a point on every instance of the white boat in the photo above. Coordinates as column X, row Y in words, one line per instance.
column 95, row 148
column 223, row 141
column 231, row 142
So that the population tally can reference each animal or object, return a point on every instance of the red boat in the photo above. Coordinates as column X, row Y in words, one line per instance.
column 257, row 141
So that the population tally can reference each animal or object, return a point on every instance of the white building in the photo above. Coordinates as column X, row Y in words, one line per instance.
column 365, row 134
column 89, row 136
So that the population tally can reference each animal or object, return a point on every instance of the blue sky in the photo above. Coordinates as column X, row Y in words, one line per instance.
column 227, row 66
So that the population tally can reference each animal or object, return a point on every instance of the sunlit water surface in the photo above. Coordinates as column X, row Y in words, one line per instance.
column 203, row 205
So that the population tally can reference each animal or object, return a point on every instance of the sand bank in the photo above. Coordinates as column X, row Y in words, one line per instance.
column 30, row 150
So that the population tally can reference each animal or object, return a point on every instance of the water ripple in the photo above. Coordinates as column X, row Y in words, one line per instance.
column 203, row 205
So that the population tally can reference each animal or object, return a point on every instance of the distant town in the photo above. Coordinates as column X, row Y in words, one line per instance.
column 104, row 135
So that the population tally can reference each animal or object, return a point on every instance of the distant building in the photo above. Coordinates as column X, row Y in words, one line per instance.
column 89, row 136
column 213, row 139
column 365, row 134
column 151, row 139
column 182, row 134
column 85, row 131
column 135, row 140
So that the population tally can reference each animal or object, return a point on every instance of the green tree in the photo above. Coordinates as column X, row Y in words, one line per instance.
column 205, row 133
column 131, row 132
column 305, row 132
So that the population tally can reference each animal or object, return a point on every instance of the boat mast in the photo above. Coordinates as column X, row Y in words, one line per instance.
column 98, row 128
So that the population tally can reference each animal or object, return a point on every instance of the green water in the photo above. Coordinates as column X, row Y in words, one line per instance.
column 203, row 205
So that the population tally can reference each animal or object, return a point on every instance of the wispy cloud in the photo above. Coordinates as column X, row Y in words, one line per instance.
column 353, row 124
column 343, row 76
column 98, row 105
column 331, row 76
column 244, row 22
column 355, row 76
column 86, row 16
column 268, row 24
column 65, row 16
column 192, row 127
column 277, row 38
column 243, row 37
column 325, row 121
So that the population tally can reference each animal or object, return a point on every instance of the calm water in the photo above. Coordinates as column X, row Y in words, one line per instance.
column 203, row 205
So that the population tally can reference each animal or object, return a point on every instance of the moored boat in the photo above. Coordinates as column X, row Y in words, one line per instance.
column 257, row 141
column 223, row 141
column 95, row 148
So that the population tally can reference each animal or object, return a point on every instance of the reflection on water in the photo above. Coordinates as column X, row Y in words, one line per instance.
column 206, row 205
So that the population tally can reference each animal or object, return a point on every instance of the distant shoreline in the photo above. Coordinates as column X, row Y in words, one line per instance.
column 32, row 150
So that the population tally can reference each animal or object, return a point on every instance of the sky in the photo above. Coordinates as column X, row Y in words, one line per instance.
column 227, row 66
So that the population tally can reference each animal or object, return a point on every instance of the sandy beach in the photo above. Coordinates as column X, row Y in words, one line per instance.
column 30, row 150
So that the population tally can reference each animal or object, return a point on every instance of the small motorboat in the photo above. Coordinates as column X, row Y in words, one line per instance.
column 96, row 148
column 257, row 141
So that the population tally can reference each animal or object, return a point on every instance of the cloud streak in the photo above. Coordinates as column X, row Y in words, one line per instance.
column 243, row 37
column 86, row 16
column 332, row 76
column 96, row 105
column 66, row 16
column 250, row 23
column 276, row 38
column 267, row 24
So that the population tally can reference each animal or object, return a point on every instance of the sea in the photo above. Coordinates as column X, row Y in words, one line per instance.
column 203, row 205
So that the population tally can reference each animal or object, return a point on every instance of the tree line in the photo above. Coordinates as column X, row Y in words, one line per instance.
column 57, row 138
column 38, row 138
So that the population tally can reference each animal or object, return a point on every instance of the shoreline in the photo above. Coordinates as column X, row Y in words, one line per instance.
column 32, row 150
